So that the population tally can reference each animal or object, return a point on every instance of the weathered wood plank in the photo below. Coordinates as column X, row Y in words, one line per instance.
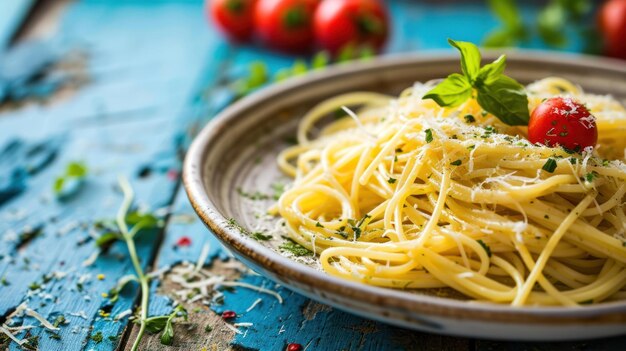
column 123, row 122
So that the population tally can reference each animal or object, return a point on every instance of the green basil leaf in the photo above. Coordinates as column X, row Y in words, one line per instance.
column 453, row 91
column 470, row 58
column 505, row 98
column 491, row 72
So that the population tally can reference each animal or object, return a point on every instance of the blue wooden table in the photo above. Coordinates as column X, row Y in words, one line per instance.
column 122, row 86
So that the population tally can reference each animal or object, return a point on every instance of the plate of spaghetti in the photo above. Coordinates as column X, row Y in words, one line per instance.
column 490, row 202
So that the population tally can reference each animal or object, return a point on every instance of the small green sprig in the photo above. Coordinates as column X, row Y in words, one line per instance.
column 495, row 92
column 138, row 222
column 74, row 171
column 165, row 323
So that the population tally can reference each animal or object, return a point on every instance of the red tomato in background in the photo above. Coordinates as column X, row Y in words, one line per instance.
column 233, row 17
column 342, row 22
column 562, row 121
column 612, row 21
column 286, row 24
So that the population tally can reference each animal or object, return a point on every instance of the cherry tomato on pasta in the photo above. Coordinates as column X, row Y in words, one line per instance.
column 612, row 22
column 564, row 122
column 233, row 17
column 286, row 24
column 360, row 22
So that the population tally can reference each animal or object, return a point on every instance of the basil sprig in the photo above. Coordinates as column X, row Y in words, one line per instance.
column 496, row 93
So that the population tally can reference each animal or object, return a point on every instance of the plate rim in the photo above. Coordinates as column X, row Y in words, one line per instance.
column 268, row 260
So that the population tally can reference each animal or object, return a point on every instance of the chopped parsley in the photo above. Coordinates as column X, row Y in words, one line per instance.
column 485, row 246
column 294, row 248
column 589, row 177
column 319, row 225
column 342, row 232
column 357, row 226
column 469, row 118
column 97, row 337
column 456, row 163
column 278, row 189
column 53, row 335
column 550, row 165
column 255, row 196
column 429, row 135
column 391, row 180
column 259, row 236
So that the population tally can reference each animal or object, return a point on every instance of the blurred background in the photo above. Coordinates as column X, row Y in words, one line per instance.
column 278, row 39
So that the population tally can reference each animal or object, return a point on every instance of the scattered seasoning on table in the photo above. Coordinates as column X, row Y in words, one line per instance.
column 101, row 276
column 184, row 241
column 229, row 314
column 294, row 347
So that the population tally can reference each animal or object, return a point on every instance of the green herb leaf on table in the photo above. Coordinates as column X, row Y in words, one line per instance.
column 168, row 333
column 165, row 324
column 496, row 93
column 75, row 172
column 107, row 238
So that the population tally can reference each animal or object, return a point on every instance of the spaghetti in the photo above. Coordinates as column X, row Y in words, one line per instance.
column 405, row 194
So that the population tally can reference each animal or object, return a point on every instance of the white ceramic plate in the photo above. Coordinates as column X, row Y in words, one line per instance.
column 238, row 149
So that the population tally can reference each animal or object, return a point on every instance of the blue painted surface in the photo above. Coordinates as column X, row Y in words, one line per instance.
column 155, row 74
column 12, row 13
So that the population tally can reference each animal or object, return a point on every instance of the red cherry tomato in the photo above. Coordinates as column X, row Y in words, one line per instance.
column 564, row 122
column 233, row 17
column 286, row 24
column 612, row 21
column 360, row 22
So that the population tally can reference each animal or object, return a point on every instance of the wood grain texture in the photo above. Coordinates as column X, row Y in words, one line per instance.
column 154, row 74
